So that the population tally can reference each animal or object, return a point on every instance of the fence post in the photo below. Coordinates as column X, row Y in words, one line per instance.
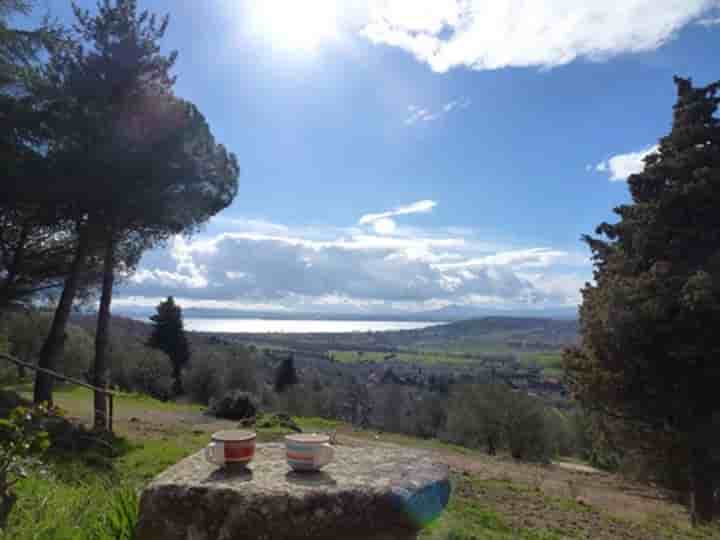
column 110, row 412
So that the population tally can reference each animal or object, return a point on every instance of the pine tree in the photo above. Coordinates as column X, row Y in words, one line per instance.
column 169, row 336
column 138, row 163
column 650, row 342
column 286, row 374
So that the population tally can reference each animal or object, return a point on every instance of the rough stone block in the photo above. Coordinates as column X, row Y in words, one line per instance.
column 366, row 493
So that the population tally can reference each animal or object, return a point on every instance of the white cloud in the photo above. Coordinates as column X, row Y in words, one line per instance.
column 414, row 208
column 412, row 270
column 481, row 35
column 621, row 166
column 418, row 114
column 524, row 258
column 709, row 21
column 384, row 226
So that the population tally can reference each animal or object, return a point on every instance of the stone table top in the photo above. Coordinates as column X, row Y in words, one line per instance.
column 383, row 492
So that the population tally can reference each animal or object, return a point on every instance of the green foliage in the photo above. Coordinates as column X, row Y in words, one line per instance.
column 202, row 382
column 648, row 359
column 234, row 405
column 286, row 375
column 493, row 416
column 219, row 369
column 151, row 375
column 168, row 335
column 21, row 439
column 120, row 519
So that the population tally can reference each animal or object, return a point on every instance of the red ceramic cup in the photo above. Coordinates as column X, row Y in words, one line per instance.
column 231, row 447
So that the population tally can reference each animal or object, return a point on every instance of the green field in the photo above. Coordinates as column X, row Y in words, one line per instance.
column 550, row 362
column 414, row 357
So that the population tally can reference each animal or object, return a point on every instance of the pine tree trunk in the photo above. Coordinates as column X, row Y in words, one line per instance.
column 702, row 485
column 102, row 335
column 53, row 347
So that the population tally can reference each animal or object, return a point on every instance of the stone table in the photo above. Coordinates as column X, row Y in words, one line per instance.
column 366, row 493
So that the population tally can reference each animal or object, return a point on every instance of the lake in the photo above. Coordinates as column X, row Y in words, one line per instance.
column 263, row 326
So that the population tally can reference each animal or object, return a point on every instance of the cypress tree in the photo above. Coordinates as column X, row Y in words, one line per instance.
column 649, row 358
column 168, row 335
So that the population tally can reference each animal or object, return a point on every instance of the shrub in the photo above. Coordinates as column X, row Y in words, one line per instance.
column 234, row 405
column 430, row 415
column 202, row 383
column 241, row 370
column 21, row 438
column 495, row 416
column 286, row 375
column 152, row 374
column 78, row 352
column 277, row 420
column 526, row 431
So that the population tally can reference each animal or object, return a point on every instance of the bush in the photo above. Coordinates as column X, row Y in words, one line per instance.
column 526, row 429
column 495, row 416
column 152, row 374
column 277, row 420
column 430, row 415
column 286, row 374
column 202, row 383
column 234, row 405
column 476, row 416
column 78, row 353
column 10, row 400
column 215, row 370
column 25, row 335
column 241, row 371
column 21, row 438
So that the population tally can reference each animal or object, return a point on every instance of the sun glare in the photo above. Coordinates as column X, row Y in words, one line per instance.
column 297, row 25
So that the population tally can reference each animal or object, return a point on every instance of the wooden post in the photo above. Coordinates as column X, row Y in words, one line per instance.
column 110, row 412
column 109, row 394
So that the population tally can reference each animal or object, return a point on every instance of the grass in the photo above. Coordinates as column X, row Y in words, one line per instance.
column 91, row 497
column 551, row 362
column 466, row 519
column 501, row 509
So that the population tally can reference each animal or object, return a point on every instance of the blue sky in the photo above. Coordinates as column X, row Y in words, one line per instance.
column 410, row 154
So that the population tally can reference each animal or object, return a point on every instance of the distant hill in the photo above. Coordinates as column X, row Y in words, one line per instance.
column 449, row 313
column 121, row 326
column 521, row 332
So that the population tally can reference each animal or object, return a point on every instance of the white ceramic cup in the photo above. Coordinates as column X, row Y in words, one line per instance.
column 231, row 447
column 308, row 451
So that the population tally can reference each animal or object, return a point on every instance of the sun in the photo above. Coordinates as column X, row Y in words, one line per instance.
column 297, row 25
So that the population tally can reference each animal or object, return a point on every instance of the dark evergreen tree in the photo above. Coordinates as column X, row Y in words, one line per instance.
column 286, row 374
column 650, row 342
column 34, row 245
column 140, row 164
column 168, row 335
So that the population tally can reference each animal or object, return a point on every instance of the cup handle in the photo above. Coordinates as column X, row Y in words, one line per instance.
column 209, row 452
column 326, row 454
